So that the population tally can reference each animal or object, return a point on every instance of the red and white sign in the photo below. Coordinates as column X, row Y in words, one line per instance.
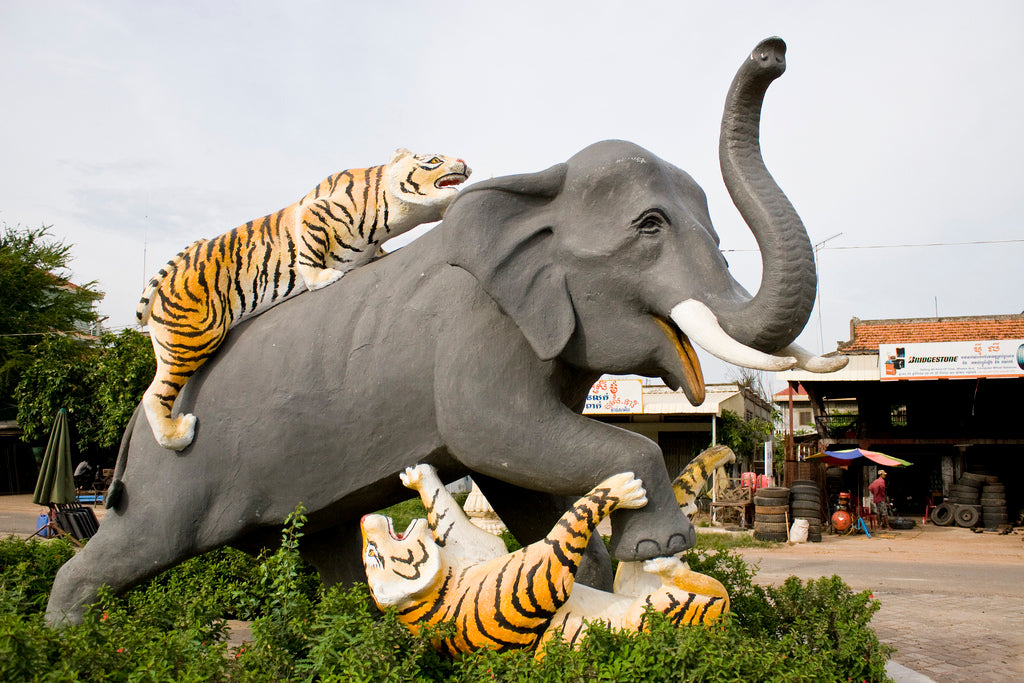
column 615, row 396
column 946, row 360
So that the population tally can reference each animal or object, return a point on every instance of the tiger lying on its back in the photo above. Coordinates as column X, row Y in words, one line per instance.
column 213, row 284
column 515, row 600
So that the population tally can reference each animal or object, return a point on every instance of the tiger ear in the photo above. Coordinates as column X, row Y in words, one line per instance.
column 503, row 232
column 400, row 154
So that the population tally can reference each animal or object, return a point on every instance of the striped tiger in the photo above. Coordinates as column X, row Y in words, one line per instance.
column 693, row 477
column 444, row 569
column 213, row 284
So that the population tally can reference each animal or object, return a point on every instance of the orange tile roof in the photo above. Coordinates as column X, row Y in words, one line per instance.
column 866, row 335
column 784, row 394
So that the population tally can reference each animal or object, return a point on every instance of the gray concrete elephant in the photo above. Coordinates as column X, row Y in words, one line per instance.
column 471, row 349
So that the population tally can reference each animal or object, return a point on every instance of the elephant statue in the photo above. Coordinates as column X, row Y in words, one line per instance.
column 472, row 350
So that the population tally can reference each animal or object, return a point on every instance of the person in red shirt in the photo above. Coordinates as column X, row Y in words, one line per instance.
column 878, row 500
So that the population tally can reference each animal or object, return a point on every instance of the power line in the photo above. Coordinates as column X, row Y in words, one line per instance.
column 67, row 332
column 904, row 246
column 40, row 334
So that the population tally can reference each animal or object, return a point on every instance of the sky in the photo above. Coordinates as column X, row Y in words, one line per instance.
column 134, row 128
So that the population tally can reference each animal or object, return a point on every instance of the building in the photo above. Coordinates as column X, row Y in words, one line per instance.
column 681, row 429
column 943, row 393
column 797, row 413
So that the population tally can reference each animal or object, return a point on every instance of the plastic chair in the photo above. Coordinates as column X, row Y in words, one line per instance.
column 929, row 505
column 866, row 514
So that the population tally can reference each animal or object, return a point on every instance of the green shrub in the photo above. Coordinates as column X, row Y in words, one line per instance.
column 172, row 629
column 27, row 569
column 167, row 638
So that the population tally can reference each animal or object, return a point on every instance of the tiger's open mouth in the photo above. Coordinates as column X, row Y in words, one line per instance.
column 451, row 180
column 401, row 536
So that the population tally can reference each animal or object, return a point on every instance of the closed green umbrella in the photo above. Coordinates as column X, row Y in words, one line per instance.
column 56, row 483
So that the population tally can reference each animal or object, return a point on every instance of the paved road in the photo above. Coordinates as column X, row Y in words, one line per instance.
column 18, row 514
column 952, row 602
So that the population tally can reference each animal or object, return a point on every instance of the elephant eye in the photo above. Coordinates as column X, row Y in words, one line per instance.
column 650, row 222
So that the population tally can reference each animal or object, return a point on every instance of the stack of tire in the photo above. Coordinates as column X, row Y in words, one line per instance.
column 963, row 507
column 965, row 496
column 771, row 513
column 993, row 504
column 805, row 503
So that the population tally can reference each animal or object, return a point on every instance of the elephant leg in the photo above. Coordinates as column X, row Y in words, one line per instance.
column 534, row 441
column 570, row 455
column 336, row 554
column 530, row 515
column 134, row 543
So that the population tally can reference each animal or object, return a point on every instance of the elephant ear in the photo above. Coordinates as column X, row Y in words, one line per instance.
column 500, row 230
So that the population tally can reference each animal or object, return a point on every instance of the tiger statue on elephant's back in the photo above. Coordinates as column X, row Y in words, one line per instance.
column 214, row 284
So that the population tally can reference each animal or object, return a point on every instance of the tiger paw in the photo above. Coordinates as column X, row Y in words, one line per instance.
column 418, row 477
column 665, row 567
column 627, row 490
column 322, row 278
column 412, row 477
column 183, row 430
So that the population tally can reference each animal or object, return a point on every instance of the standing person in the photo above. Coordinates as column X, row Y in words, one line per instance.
column 878, row 500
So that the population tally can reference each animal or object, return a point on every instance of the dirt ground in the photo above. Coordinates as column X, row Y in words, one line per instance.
column 951, row 600
column 922, row 544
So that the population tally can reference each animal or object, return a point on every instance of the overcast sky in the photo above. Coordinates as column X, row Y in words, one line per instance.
column 135, row 128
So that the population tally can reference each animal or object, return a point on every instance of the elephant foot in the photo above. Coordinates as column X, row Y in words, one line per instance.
column 637, row 536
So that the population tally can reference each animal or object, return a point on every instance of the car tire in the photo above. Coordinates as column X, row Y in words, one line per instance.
column 773, row 492
column 967, row 516
column 941, row 515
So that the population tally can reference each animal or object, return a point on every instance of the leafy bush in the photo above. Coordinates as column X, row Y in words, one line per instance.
column 172, row 629
column 27, row 569
column 100, row 383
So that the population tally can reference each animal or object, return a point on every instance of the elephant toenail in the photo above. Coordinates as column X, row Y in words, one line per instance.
column 679, row 542
column 647, row 548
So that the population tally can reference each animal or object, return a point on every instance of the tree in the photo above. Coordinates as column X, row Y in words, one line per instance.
column 745, row 437
column 99, row 383
column 56, row 377
column 37, row 299
column 123, row 369
column 753, row 380
column 752, row 434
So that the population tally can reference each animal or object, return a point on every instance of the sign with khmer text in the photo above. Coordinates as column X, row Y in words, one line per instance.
column 615, row 396
column 944, row 360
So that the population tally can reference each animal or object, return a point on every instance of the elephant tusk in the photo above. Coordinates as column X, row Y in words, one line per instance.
column 805, row 360
column 699, row 323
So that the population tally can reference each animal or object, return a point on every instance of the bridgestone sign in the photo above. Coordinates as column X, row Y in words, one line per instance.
column 947, row 360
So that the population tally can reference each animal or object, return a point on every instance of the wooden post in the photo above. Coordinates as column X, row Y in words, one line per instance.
column 790, row 455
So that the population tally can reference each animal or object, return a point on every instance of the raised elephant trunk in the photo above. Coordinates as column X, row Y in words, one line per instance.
column 774, row 317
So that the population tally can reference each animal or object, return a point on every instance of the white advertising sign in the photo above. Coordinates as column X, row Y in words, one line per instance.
column 615, row 396
column 944, row 360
